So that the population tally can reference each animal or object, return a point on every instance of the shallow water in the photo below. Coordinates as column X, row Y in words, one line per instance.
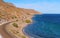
column 44, row 26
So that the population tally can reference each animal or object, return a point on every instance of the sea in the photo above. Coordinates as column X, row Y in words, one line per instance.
column 44, row 26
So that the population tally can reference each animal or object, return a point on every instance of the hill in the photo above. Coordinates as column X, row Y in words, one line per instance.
column 9, row 11
column 22, row 16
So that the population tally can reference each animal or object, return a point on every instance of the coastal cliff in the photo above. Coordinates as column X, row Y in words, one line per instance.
column 23, row 16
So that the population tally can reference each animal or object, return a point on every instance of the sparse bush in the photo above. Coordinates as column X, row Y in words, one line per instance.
column 23, row 37
column 14, row 17
column 15, row 25
column 27, row 21
column 16, row 20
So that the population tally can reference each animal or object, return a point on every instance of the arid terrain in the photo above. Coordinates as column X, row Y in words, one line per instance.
column 14, row 19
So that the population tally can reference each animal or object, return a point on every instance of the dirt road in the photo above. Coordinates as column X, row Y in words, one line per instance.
column 3, row 31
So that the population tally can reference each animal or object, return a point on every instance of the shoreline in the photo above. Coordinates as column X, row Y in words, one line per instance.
column 27, row 25
column 31, row 35
column 23, row 25
column 21, row 29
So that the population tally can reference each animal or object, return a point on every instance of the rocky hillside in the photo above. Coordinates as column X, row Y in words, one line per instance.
column 10, row 12
column 21, row 16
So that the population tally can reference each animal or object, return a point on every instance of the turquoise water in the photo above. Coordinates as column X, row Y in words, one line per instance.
column 44, row 26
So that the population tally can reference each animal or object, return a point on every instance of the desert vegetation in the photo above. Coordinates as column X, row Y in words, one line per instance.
column 15, row 25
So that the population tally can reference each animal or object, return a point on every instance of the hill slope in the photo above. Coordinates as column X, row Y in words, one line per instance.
column 8, row 11
column 22, row 16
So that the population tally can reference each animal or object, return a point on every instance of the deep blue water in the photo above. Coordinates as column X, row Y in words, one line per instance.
column 44, row 26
